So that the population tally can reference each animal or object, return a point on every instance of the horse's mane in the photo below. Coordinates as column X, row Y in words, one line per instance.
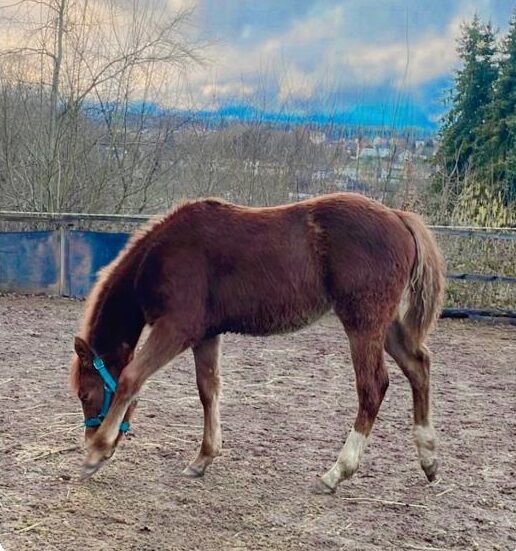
column 104, row 283
column 107, row 277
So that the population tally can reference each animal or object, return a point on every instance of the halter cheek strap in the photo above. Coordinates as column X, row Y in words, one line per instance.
column 110, row 385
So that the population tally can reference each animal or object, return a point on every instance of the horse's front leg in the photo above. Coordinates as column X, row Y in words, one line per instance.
column 206, row 356
column 161, row 346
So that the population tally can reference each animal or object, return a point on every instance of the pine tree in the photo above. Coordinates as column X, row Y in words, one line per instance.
column 497, row 156
column 471, row 94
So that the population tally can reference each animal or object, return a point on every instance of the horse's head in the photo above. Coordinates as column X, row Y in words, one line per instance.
column 91, row 385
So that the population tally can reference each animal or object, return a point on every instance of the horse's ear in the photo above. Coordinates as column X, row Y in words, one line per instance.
column 83, row 350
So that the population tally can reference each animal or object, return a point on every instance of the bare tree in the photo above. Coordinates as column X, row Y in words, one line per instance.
column 83, row 83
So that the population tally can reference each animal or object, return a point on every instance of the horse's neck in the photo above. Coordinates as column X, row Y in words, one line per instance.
column 119, row 321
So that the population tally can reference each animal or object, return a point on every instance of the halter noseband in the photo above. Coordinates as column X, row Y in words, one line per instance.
column 109, row 391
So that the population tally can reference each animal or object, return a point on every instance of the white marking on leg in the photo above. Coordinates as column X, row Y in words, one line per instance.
column 215, row 420
column 113, row 429
column 107, row 432
column 348, row 460
column 424, row 437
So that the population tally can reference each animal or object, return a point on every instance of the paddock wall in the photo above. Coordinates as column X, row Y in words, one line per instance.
column 60, row 262
column 29, row 262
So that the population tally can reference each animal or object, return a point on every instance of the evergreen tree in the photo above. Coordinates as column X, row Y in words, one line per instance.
column 497, row 156
column 471, row 94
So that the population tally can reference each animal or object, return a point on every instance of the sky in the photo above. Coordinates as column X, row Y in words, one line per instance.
column 375, row 61
column 369, row 62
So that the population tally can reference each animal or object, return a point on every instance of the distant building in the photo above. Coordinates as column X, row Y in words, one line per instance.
column 375, row 153
column 405, row 156
column 380, row 142
column 350, row 184
column 317, row 138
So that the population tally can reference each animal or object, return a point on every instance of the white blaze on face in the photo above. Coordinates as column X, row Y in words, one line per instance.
column 424, row 437
column 348, row 460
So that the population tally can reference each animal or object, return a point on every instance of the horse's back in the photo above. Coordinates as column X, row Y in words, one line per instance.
column 268, row 270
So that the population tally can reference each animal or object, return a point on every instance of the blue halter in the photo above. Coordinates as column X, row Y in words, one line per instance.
column 109, row 391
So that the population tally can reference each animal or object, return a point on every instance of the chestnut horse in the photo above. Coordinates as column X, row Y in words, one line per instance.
column 211, row 267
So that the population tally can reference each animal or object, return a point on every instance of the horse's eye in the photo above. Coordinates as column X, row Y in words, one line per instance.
column 84, row 396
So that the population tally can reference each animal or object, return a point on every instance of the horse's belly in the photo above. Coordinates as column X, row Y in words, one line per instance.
column 274, row 319
column 272, row 294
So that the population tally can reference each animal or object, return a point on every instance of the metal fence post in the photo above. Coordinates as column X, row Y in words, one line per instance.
column 63, row 261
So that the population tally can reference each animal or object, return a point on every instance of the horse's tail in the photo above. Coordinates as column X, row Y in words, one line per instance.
column 426, row 286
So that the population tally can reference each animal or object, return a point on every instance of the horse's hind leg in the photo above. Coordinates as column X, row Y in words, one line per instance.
column 414, row 361
column 372, row 381
column 206, row 356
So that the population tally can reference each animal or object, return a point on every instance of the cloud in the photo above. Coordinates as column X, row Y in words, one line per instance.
column 181, row 5
column 295, row 84
column 434, row 56
column 227, row 90
column 405, row 65
column 317, row 56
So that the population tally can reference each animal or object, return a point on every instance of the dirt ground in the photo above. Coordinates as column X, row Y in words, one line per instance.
column 288, row 403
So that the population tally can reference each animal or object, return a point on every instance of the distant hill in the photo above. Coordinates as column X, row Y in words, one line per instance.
column 363, row 116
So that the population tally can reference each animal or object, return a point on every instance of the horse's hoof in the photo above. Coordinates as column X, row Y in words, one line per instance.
column 88, row 470
column 321, row 488
column 431, row 471
column 193, row 472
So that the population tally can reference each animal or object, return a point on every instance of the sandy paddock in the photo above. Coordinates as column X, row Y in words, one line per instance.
column 288, row 403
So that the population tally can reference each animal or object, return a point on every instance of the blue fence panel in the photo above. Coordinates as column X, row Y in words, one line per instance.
column 88, row 252
column 29, row 262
